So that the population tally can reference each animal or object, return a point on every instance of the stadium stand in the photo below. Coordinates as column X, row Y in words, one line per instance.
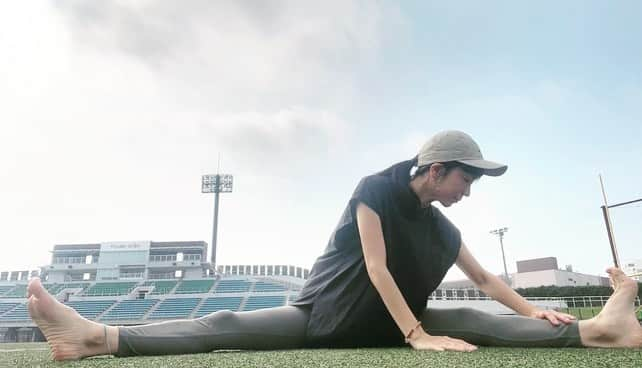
column 19, row 313
column 57, row 288
column 194, row 286
column 110, row 288
column 161, row 287
column 5, row 289
column 232, row 286
column 138, row 282
column 259, row 301
column 215, row 304
column 264, row 286
column 133, row 309
column 175, row 308
column 5, row 307
column 19, row 291
column 90, row 309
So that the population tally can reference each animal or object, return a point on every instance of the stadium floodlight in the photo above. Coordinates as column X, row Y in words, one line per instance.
column 500, row 232
column 219, row 183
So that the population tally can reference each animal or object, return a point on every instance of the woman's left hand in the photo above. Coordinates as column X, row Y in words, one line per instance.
column 553, row 316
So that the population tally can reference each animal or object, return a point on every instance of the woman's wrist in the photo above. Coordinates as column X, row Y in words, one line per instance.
column 414, row 333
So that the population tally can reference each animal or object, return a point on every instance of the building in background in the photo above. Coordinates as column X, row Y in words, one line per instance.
column 534, row 273
column 632, row 267
column 545, row 272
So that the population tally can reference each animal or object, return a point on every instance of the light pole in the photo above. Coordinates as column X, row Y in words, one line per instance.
column 500, row 232
column 219, row 183
column 609, row 224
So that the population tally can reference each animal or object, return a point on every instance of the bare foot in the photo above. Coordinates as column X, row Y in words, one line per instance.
column 69, row 335
column 616, row 325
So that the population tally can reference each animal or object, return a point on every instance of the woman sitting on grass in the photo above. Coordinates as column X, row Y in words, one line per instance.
column 389, row 252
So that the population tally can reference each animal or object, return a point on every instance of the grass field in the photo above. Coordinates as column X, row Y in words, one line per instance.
column 590, row 312
column 584, row 312
column 37, row 355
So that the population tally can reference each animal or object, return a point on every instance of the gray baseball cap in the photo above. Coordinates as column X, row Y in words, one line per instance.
column 453, row 145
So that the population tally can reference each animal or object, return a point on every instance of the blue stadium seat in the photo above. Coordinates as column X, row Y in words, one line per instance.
column 264, row 286
column 175, row 308
column 55, row 288
column 161, row 287
column 194, row 287
column 255, row 302
column 20, row 313
column 17, row 291
column 5, row 289
column 5, row 307
column 218, row 303
column 232, row 286
column 90, row 309
column 110, row 288
column 133, row 309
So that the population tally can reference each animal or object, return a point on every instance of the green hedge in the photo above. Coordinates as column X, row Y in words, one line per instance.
column 568, row 291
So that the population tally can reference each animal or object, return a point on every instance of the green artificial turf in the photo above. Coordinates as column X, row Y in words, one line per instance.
column 36, row 355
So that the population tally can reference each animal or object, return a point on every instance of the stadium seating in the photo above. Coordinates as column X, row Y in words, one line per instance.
column 175, row 308
column 219, row 303
column 259, row 302
column 194, row 286
column 133, row 309
column 263, row 286
column 19, row 291
column 5, row 289
column 5, row 307
column 110, row 288
column 161, row 287
column 20, row 313
column 54, row 288
column 232, row 286
column 90, row 309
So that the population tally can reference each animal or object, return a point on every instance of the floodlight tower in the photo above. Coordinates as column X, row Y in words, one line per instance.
column 219, row 183
column 500, row 232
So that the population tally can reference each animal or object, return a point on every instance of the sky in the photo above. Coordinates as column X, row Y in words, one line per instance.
column 110, row 113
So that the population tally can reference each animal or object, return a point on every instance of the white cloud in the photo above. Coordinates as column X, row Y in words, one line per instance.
column 234, row 52
column 116, row 108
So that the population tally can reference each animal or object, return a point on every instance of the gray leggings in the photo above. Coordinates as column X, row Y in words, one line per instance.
column 284, row 328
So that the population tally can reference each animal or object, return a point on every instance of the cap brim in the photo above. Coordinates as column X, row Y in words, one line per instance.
column 490, row 168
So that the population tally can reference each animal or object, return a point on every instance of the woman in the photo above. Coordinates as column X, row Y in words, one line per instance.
column 389, row 251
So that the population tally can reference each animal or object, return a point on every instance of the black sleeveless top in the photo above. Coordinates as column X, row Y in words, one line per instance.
column 421, row 245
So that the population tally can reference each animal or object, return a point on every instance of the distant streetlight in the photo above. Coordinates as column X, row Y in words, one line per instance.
column 500, row 232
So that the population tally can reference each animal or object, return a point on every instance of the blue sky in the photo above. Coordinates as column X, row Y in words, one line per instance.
column 113, row 111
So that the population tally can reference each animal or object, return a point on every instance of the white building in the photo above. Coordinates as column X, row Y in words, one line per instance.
column 534, row 273
column 556, row 278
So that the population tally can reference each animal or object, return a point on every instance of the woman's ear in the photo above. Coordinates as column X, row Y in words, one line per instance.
column 437, row 171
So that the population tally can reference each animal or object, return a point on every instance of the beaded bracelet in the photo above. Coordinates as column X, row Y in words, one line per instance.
column 407, row 337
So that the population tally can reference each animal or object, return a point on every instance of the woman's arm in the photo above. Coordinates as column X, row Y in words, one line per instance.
column 497, row 289
column 374, row 253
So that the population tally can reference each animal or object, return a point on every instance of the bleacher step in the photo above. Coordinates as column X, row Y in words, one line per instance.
column 98, row 317
column 153, row 308
column 197, row 307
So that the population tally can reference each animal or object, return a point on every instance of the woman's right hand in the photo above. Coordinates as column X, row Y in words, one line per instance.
column 420, row 340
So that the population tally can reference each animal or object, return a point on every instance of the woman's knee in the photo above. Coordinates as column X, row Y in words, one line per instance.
column 451, row 317
column 223, row 319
